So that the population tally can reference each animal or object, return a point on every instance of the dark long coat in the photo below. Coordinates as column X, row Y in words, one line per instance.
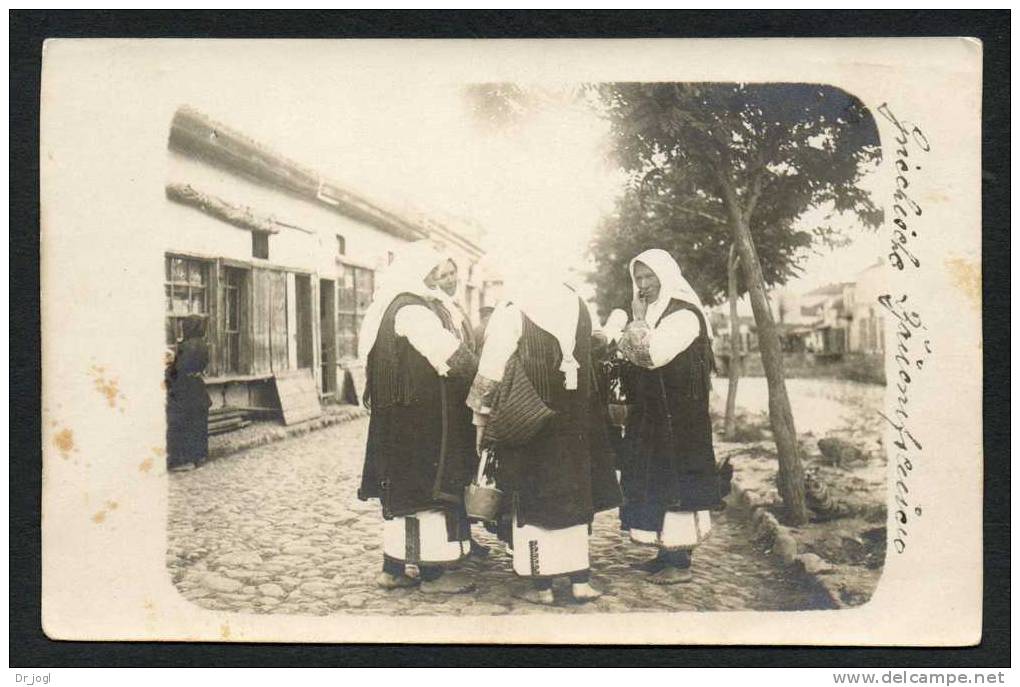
column 187, row 407
column 421, row 443
column 669, row 461
column 565, row 474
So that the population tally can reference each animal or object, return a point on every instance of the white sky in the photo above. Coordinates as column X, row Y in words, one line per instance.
column 539, row 188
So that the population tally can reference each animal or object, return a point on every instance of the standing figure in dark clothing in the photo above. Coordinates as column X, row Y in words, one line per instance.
column 445, row 282
column 563, row 475
column 420, row 453
column 669, row 478
column 187, row 405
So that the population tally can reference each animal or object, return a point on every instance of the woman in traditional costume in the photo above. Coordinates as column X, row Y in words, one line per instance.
column 187, row 408
column 420, row 452
column 669, row 475
column 557, row 480
column 446, row 281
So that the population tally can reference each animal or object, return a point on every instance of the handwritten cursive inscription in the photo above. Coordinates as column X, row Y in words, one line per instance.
column 909, row 139
column 912, row 350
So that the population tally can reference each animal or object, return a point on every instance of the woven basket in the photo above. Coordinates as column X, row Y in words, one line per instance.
column 519, row 413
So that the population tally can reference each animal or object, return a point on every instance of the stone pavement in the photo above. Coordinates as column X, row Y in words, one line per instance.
column 279, row 529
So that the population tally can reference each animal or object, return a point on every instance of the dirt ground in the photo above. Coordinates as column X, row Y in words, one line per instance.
column 848, row 531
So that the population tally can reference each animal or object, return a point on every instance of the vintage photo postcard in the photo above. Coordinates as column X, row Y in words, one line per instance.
column 518, row 341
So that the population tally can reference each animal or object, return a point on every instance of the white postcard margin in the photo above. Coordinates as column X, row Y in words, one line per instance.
column 106, row 109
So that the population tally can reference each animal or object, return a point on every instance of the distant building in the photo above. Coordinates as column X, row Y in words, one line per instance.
column 867, row 320
column 747, row 332
column 828, row 309
column 828, row 322
column 281, row 261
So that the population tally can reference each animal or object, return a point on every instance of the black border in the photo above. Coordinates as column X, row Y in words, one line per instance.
column 30, row 648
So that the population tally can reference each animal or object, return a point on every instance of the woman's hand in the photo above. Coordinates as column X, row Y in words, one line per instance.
column 480, row 421
column 638, row 308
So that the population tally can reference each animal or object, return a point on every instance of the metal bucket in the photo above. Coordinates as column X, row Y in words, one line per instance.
column 482, row 503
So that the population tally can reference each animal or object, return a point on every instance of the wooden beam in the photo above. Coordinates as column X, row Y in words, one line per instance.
column 237, row 215
column 194, row 134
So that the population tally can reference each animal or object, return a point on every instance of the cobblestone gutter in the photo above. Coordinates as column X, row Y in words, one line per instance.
column 767, row 531
column 262, row 433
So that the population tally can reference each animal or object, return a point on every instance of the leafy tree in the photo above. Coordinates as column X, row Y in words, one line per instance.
column 716, row 165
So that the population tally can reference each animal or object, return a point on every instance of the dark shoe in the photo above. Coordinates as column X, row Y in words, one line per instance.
column 448, row 583
column 670, row 575
column 652, row 565
column 478, row 550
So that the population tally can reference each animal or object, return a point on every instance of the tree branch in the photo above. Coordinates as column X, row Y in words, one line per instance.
column 700, row 213
column 755, row 192
column 729, row 195
column 759, row 169
column 683, row 208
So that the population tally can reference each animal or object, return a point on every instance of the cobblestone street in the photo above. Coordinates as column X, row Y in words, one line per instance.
column 279, row 529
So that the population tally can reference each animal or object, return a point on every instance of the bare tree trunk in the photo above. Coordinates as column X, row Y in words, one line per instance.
column 791, row 472
column 735, row 362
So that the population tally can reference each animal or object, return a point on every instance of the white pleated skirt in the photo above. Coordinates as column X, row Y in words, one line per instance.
column 422, row 539
column 538, row 552
column 680, row 530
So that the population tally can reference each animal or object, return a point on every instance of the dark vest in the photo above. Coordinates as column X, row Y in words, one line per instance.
column 395, row 369
column 689, row 375
column 671, row 461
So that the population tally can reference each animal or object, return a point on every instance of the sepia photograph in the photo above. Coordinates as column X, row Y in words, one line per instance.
column 437, row 342
column 334, row 363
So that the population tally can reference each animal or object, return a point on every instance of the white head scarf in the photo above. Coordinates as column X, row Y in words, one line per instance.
column 671, row 285
column 553, row 306
column 406, row 274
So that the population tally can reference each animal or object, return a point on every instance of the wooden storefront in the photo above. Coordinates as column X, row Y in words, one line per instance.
column 282, row 264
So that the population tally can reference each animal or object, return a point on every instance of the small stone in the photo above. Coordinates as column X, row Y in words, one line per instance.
column 288, row 582
column 839, row 451
column 346, row 551
column 318, row 589
column 301, row 550
column 193, row 594
column 815, row 564
column 218, row 583
column 241, row 575
column 316, row 608
column 785, row 548
column 272, row 590
column 354, row 600
column 239, row 559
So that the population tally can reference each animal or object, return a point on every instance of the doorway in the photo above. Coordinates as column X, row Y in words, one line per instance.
column 327, row 325
column 303, row 298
